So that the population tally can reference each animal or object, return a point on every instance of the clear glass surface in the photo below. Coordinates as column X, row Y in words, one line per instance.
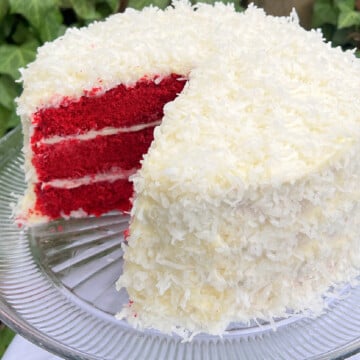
column 57, row 289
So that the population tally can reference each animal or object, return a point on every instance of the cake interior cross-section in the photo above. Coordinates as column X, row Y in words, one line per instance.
column 85, row 150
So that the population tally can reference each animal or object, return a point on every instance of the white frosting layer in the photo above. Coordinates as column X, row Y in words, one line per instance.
column 92, row 134
column 111, row 176
column 247, row 203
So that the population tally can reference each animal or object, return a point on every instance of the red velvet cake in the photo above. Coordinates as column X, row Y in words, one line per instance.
column 246, row 204
column 85, row 150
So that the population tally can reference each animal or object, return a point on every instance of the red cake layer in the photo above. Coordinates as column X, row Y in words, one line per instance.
column 75, row 159
column 94, row 199
column 118, row 107
column 71, row 159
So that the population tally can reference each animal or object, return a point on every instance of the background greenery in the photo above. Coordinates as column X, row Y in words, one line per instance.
column 6, row 335
column 339, row 21
column 27, row 24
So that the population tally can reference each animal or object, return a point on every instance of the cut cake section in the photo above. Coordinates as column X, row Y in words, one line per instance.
column 125, row 70
column 84, row 151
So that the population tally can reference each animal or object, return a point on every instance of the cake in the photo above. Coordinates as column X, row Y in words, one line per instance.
column 245, row 202
column 81, row 152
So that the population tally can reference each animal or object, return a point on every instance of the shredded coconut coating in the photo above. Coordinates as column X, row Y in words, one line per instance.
column 247, row 204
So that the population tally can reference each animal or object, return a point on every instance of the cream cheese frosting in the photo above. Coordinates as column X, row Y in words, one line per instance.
column 92, row 134
column 110, row 176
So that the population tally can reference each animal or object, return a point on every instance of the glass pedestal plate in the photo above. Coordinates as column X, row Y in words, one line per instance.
column 57, row 290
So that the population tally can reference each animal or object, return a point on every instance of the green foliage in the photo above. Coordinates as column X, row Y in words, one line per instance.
column 85, row 9
column 27, row 24
column 6, row 335
column 14, row 57
column 4, row 6
column 339, row 21
column 139, row 4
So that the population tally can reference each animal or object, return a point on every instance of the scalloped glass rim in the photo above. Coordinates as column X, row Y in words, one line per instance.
column 73, row 318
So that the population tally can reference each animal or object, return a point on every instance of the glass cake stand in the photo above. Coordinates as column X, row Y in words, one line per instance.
column 57, row 290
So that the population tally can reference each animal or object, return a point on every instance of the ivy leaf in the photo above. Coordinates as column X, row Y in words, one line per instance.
column 348, row 19
column 8, row 120
column 5, row 115
column 13, row 57
column 8, row 92
column 22, row 33
column 324, row 13
column 114, row 4
column 104, row 10
column 7, row 25
column 4, row 6
column 140, row 4
column 33, row 10
column 64, row 3
column 345, row 5
column 13, row 120
column 43, row 15
column 85, row 9
column 51, row 26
